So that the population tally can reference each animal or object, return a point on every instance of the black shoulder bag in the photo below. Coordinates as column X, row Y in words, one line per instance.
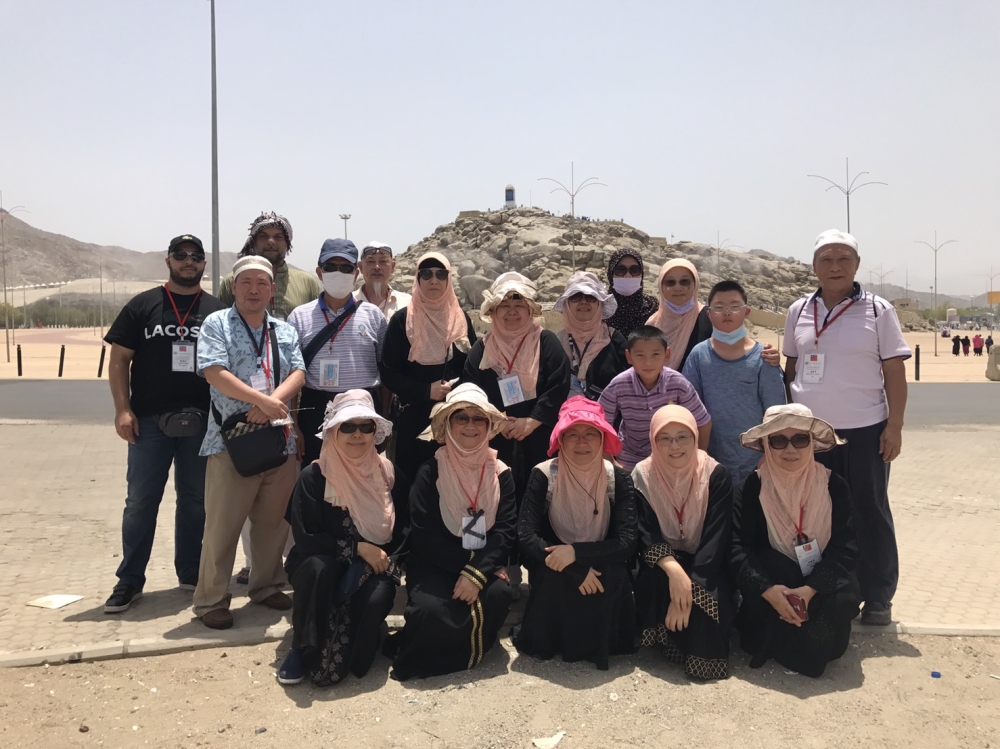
column 328, row 333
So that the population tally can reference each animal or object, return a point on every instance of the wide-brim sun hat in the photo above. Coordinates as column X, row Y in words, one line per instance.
column 792, row 416
column 351, row 405
column 585, row 282
column 504, row 286
column 581, row 410
column 466, row 395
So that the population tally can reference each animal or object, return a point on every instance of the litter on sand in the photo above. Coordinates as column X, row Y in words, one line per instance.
column 55, row 601
column 548, row 742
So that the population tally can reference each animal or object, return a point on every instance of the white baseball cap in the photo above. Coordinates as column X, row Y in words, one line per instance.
column 835, row 236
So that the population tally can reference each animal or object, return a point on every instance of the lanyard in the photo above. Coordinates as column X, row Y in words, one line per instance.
column 577, row 355
column 262, row 349
column 181, row 320
column 680, row 518
column 347, row 310
column 510, row 364
column 799, row 536
column 818, row 330
column 473, row 500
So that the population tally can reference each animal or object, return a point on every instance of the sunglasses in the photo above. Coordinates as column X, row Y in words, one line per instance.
column 780, row 441
column 337, row 267
column 180, row 256
column 581, row 297
column 463, row 419
column 621, row 271
column 426, row 274
column 670, row 282
column 365, row 427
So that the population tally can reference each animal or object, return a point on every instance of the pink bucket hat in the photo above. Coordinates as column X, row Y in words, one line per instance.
column 580, row 409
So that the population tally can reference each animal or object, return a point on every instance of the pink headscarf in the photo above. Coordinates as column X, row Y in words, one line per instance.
column 363, row 487
column 433, row 326
column 679, row 497
column 590, row 334
column 785, row 495
column 467, row 478
column 677, row 328
column 514, row 351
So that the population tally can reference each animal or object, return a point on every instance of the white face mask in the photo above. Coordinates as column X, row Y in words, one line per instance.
column 628, row 285
column 338, row 285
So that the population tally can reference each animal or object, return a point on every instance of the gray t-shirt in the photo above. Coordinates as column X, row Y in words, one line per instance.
column 736, row 394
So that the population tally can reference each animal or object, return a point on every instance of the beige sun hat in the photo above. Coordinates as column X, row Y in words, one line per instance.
column 792, row 416
column 505, row 285
column 465, row 395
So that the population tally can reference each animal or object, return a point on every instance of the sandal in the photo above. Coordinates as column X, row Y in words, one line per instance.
column 243, row 576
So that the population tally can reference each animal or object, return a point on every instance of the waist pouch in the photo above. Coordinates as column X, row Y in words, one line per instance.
column 187, row 422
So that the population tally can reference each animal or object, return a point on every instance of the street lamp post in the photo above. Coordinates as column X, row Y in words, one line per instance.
column 989, row 303
column 7, row 316
column 345, row 217
column 215, row 172
column 848, row 188
column 881, row 280
column 573, row 190
column 935, row 247
column 719, row 246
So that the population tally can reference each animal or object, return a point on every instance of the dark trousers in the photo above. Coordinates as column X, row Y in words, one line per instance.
column 149, row 461
column 860, row 464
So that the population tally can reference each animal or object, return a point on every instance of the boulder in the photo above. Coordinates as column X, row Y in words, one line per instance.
column 474, row 286
column 466, row 268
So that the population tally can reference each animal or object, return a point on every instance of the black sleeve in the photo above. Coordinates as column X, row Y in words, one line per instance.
column 472, row 373
column 716, row 535
column 553, row 379
column 749, row 534
column 533, row 522
column 500, row 539
column 702, row 332
column 840, row 557
column 652, row 546
column 430, row 540
column 306, row 519
column 395, row 358
column 400, row 543
column 619, row 544
column 126, row 330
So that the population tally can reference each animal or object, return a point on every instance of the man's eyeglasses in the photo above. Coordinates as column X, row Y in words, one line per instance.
column 681, row 440
column 365, row 427
column 671, row 282
column 426, row 274
column 733, row 310
column 463, row 419
column 780, row 441
column 180, row 256
column 620, row 271
column 335, row 267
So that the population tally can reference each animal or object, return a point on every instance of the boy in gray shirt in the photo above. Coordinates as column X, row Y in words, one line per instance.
column 732, row 379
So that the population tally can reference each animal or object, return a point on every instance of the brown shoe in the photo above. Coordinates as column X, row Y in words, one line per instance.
column 278, row 601
column 218, row 619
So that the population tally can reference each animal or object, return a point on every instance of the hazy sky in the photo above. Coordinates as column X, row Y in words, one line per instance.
column 699, row 117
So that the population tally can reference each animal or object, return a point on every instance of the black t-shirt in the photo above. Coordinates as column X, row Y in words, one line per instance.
column 148, row 326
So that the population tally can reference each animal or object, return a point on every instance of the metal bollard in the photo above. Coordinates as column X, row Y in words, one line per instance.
column 100, row 367
column 62, row 358
column 916, row 362
column 19, row 370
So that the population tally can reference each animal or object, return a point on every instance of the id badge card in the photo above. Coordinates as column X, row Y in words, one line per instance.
column 474, row 532
column 182, row 356
column 510, row 390
column 808, row 555
column 258, row 381
column 329, row 373
column 577, row 386
column 812, row 371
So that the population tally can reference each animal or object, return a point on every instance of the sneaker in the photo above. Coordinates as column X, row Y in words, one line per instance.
column 278, row 601
column 293, row 670
column 218, row 619
column 243, row 576
column 188, row 586
column 877, row 614
column 122, row 597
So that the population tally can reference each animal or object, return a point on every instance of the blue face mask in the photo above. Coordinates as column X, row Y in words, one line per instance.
column 680, row 309
column 729, row 338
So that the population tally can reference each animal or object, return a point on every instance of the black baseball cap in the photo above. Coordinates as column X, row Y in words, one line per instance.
column 185, row 239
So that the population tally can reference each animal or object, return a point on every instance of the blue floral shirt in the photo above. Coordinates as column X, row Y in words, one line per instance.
column 223, row 341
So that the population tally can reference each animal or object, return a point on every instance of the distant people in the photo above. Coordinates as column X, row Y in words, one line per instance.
column 977, row 345
column 377, row 266
column 161, row 410
column 596, row 352
column 253, row 365
column 344, row 566
column 426, row 345
column 271, row 237
column 965, row 345
column 577, row 531
column 732, row 379
column 989, row 343
column 956, row 344
column 464, row 525
column 626, row 274
column 846, row 355
column 683, row 598
column 794, row 551
column 631, row 398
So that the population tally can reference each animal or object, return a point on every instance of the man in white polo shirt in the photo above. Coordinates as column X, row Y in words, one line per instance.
column 377, row 267
column 341, row 340
column 845, row 354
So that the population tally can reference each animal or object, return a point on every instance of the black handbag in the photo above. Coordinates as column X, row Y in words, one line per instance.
column 187, row 422
column 255, row 448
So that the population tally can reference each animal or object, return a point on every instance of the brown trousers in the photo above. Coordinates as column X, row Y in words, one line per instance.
column 229, row 500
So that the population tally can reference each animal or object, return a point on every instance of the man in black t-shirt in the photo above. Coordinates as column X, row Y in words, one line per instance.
column 161, row 411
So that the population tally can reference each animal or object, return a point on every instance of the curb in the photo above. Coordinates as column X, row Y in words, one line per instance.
column 256, row 635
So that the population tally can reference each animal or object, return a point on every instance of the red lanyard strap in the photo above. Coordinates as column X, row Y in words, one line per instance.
column 510, row 364
column 181, row 320
column 830, row 321
column 799, row 535
column 473, row 499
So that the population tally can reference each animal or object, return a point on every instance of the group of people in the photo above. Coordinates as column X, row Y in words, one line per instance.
column 650, row 465
column 977, row 343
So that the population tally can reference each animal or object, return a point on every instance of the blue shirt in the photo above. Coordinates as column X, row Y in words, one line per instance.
column 223, row 341
column 736, row 393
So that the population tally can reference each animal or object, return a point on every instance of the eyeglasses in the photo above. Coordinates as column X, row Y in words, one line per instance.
column 426, row 274
column 350, row 427
column 734, row 310
column 463, row 419
column 620, row 271
column 670, row 282
column 180, row 256
column 335, row 267
column 780, row 441
column 581, row 297
column 681, row 440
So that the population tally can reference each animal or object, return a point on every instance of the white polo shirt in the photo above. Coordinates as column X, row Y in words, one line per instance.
column 394, row 301
column 867, row 333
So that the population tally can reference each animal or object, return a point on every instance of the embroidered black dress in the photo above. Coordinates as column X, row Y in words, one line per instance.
column 339, row 603
column 558, row 618
column 703, row 646
column 756, row 566
column 443, row 634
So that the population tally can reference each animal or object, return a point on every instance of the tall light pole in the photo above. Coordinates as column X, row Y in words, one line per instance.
column 848, row 188
column 719, row 246
column 573, row 190
column 215, row 173
column 881, row 280
column 345, row 217
column 991, row 275
column 935, row 247
column 7, row 316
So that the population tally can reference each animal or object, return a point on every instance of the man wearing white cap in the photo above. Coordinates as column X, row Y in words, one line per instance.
column 377, row 266
column 254, row 367
column 845, row 352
